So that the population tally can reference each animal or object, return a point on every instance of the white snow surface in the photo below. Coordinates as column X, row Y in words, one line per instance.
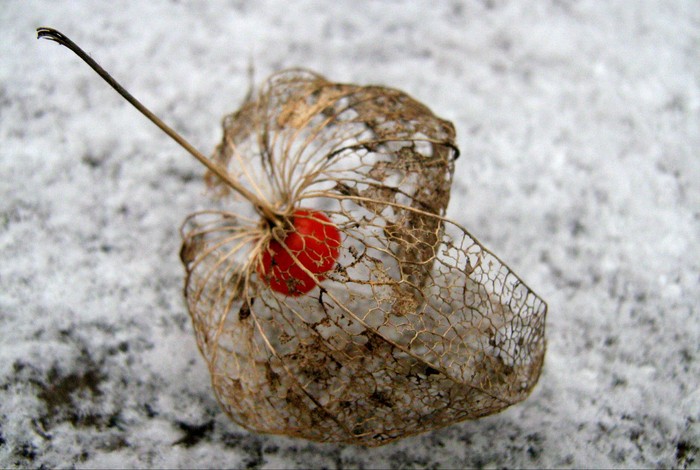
column 579, row 126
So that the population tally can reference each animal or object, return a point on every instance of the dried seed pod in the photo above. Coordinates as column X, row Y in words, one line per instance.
column 416, row 327
column 330, row 297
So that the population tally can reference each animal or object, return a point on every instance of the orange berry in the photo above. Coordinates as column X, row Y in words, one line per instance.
column 314, row 241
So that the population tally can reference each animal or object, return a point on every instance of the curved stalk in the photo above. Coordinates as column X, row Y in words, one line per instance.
column 263, row 207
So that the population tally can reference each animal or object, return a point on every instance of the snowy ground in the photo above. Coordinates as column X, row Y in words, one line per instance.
column 579, row 124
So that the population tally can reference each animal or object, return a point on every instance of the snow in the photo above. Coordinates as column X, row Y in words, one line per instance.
column 579, row 125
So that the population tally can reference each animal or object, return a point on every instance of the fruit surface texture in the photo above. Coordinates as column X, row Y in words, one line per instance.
column 314, row 241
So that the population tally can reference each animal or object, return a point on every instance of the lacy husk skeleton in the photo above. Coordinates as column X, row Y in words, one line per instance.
column 418, row 326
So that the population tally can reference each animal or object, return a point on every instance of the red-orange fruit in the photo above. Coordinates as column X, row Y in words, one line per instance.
column 314, row 241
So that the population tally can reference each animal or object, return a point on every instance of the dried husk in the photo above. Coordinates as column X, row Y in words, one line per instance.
column 417, row 327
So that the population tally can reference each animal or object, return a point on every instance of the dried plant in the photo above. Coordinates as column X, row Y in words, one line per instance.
column 330, row 297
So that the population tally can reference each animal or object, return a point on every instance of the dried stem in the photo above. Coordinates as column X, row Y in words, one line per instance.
column 263, row 207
